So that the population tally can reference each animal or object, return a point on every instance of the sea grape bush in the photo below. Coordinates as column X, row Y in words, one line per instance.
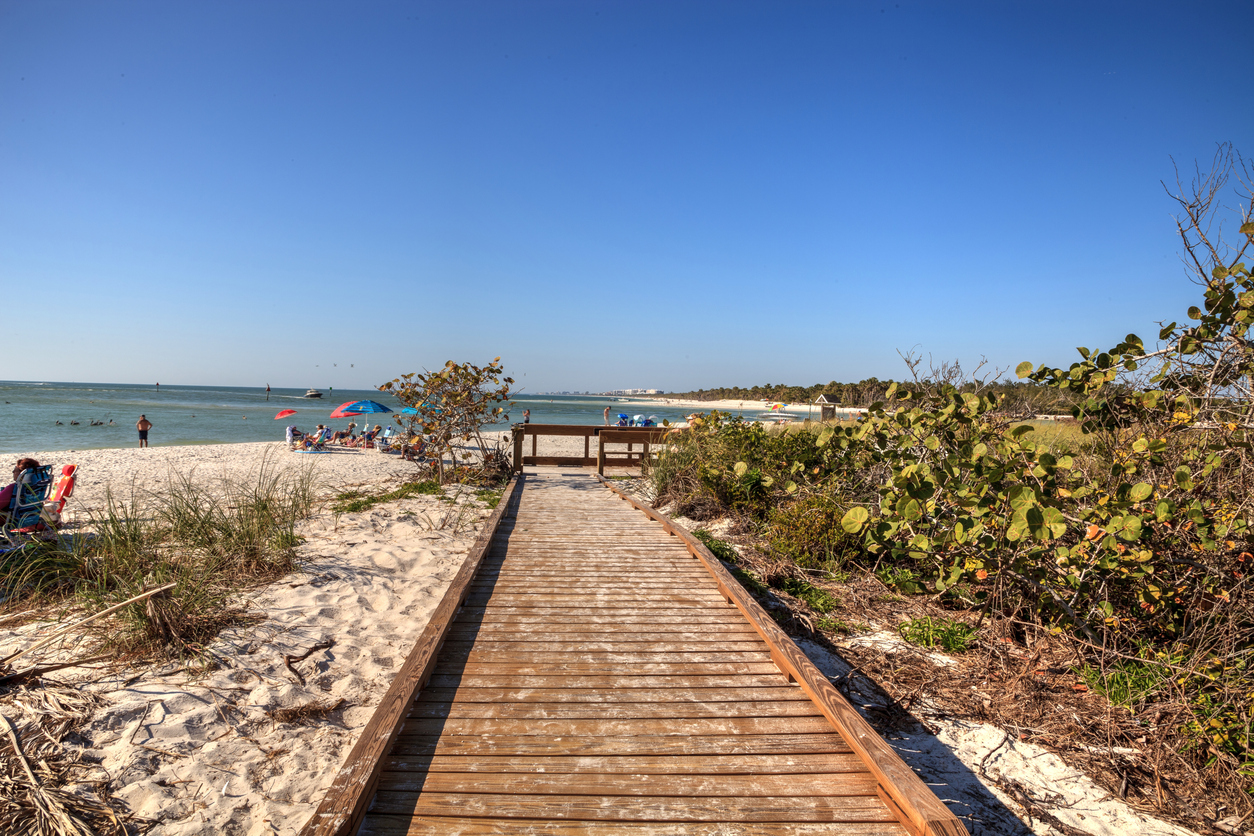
column 451, row 405
column 1136, row 540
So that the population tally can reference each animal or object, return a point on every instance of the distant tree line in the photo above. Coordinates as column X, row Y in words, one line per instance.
column 1016, row 396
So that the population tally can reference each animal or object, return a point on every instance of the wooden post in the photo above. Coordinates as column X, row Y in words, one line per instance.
column 600, row 455
column 644, row 460
column 534, row 439
column 585, row 447
column 518, row 441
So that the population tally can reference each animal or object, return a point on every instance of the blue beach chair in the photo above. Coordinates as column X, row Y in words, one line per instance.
column 25, row 512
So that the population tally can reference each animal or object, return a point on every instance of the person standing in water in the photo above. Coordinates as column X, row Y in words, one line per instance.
column 143, row 425
column 526, row 416
column 607, row 416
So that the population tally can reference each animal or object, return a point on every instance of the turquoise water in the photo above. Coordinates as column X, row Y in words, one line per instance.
column 217, row 414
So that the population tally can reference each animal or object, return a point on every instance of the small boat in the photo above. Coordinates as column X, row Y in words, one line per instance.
column 312, row 393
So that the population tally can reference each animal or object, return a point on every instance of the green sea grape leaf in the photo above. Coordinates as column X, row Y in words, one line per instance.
column 854, row 519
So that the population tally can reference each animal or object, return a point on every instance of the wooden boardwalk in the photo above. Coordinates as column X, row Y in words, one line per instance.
column 601, row 677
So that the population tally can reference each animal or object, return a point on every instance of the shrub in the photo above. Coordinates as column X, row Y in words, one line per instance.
column 808, row 531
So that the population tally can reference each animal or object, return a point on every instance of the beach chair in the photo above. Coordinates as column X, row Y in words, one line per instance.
column 25, row 512
column 316, row 443
column 388, row 441
column 61, row 494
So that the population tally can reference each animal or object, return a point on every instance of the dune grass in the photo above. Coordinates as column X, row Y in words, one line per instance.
column 210, row 539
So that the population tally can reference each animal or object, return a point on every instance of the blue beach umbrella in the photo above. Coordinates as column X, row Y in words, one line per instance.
column 410, row 410
column 358, row 408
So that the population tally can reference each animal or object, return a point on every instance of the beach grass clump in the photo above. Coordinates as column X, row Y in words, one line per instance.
column 247, row 525
column 199, row 543
column 489, row 497
column 947, row 634
column 1126, row 682
column 719, row 548
column 37, row 569
column 354, row 502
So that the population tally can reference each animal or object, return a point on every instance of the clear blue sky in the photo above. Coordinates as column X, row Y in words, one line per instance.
column 614, row 194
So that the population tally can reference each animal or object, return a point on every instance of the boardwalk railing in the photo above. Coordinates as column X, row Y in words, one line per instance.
column 604, row 456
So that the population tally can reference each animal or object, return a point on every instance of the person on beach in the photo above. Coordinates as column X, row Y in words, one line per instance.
column 526, row 416
column 607, row 416
column 6, row 493
column 143, row 425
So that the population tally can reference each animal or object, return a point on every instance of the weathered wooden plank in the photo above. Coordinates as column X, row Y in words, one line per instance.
column 595, row 596
column 608, row 696
column 679, row 710
column 487, row 644
column 627, row 785
column 544, row 642
column 346, row 800
column 577, row 602
column 778, row 764
column 474, row 745
column 638, row 669
column 601, row 616
column 572, row 632
column 570, row 660
column 536, row 584
column 627, row 574
column 385, row 825
column 708, row 726
column 618, row 679
column 657, row 809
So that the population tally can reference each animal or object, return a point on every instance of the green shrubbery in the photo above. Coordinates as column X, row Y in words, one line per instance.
column 808, row 532
column 1133, row 536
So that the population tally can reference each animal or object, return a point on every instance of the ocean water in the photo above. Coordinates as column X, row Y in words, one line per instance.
column 219, row 414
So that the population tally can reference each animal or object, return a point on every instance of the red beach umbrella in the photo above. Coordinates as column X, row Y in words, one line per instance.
column 285, row 413
column 343, row 411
